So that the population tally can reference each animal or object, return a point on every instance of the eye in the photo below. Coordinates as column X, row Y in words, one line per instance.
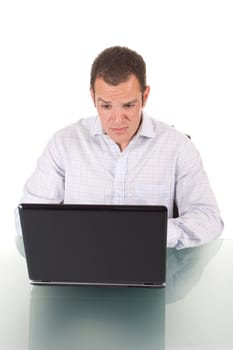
column 129, row 105
column 105, row 106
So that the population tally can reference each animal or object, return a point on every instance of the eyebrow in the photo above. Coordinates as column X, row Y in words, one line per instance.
column 130, row 102
column 124, row 103
column 101, row 100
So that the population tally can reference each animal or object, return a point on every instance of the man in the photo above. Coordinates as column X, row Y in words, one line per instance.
column 122, row 156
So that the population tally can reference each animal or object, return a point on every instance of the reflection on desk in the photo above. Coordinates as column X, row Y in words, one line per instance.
column 97, row 318
column 113, row 318
column 185, row 267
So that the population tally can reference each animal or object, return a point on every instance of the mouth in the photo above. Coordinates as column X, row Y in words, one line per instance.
column 119, row 130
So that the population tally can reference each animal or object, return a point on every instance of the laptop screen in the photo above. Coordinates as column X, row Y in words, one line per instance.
column 95, row 244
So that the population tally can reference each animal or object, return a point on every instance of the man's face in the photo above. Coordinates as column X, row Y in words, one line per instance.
column 120, row 108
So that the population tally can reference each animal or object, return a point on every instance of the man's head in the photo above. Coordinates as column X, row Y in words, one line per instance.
column 119, row 92
column 115, row 64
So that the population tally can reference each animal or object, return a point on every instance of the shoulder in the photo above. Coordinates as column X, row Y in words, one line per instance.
column 167, row 133
column 81, row 128
column 179, row 143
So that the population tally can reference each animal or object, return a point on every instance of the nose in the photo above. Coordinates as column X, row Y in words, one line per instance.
column 117, row 116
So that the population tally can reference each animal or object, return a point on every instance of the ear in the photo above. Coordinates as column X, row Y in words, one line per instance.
column 145, row 95
column 92, row 95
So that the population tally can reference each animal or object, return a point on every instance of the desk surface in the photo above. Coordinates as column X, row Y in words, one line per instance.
column 194, row 311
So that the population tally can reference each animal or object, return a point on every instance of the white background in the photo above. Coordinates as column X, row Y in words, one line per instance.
column 47, row 48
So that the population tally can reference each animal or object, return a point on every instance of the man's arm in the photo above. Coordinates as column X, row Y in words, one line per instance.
column 199, row 218
column 46, row 184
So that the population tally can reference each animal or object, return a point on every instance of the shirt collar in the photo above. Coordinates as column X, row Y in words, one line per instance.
column 146, row 128
column 97, row 127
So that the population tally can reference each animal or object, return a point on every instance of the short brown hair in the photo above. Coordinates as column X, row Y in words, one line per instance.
column 115, row 64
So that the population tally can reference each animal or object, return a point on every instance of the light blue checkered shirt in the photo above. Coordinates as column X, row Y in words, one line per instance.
column 81, row 164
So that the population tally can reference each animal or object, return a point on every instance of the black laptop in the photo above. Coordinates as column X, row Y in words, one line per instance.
column 113, row 245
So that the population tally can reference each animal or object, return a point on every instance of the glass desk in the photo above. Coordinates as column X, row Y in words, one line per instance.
column 194, row 310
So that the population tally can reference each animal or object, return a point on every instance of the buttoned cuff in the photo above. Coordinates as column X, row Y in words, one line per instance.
column 173, row 233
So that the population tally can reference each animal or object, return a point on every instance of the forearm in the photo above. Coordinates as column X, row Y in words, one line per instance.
column 46, row 184
column 196, row 227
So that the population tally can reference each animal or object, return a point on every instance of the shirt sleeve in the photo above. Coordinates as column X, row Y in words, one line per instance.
column 199, row 218
column 46, row 184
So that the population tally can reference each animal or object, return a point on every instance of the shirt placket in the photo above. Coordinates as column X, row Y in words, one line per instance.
column 120, row 179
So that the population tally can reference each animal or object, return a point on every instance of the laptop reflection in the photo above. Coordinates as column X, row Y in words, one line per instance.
column 96, row 318
column 115, row 318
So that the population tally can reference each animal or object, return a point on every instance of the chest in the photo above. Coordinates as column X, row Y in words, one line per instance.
column 144, row 173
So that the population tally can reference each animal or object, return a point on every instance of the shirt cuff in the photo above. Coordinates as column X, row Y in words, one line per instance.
column 173, row 233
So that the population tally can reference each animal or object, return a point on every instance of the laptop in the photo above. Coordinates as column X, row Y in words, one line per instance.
column 112, row 245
